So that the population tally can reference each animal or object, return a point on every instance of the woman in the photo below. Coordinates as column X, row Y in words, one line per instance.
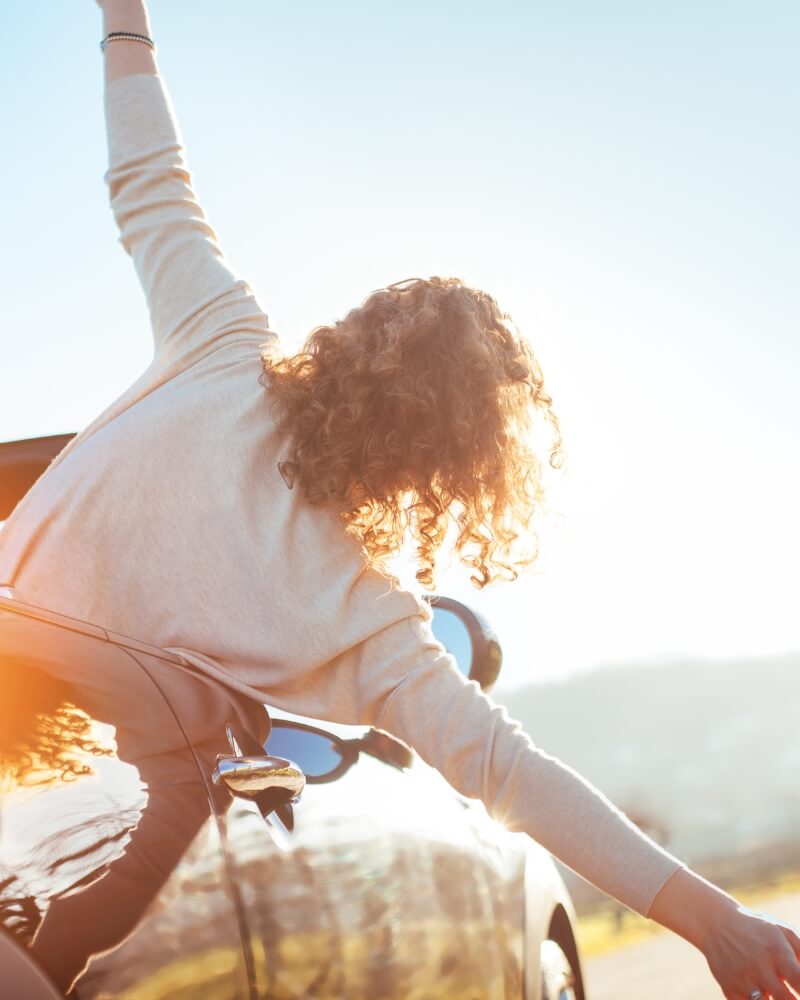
column 239, row 508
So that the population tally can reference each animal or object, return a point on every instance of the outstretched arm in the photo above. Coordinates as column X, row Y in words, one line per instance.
column 416, row 692
column 195, row 299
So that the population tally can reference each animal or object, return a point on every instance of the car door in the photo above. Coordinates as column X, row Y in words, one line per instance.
column 389, row 886
column 113, row 859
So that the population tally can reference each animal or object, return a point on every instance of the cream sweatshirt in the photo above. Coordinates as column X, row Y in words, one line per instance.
column 167, row 519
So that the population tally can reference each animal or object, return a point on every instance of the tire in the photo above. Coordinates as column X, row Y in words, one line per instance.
column 559, row 982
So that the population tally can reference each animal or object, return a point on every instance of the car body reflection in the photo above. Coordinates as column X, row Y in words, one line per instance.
column 126, row 872
column 106, row 819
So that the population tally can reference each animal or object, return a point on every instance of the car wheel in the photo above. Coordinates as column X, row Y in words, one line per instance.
column 558, row 978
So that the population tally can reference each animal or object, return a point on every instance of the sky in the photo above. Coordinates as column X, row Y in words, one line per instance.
column 621, row 177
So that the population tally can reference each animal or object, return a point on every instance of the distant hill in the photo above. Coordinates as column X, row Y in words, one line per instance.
column 708, row 750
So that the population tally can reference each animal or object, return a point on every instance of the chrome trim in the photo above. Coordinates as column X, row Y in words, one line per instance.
column 247, row 776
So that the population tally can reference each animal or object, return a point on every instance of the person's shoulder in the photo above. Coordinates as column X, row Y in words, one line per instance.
column 238, row 354
column 387, row 601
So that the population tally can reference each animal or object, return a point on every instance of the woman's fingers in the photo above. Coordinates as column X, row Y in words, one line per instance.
column 792, row 937
column 777, row 990
column 787, row 957
column 789, row 971
column 785, row 964
column 753, row 951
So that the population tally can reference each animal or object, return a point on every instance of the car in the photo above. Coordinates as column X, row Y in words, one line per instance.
column 162, row 836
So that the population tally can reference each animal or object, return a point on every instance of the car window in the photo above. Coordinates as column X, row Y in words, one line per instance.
column 112, row 868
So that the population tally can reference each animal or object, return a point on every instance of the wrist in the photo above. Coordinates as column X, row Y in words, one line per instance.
column 124, row 57
column 693, row 908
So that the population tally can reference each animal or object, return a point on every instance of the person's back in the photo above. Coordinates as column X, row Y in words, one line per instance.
column 168, row 520
column 181, row 515
column 177, row 516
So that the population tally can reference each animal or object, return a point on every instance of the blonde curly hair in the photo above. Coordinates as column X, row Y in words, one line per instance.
column 413, row 413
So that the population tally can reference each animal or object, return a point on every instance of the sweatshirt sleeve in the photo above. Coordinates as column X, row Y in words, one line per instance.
column 484, row 754
column 194, row 297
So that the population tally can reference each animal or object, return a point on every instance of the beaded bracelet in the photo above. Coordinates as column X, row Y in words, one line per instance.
column 132, row 36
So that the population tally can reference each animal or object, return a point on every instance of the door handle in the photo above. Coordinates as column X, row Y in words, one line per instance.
column 249, row 776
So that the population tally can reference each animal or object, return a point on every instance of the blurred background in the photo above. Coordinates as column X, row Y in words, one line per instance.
column 622, row 178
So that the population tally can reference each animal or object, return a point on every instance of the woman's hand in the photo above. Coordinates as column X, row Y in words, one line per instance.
column 745, row 951
column 749, row 951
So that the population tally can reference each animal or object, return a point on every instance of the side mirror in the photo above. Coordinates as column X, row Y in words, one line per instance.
column 385, row 747
column 468, row 637
column 320, row 755
column 324, row 757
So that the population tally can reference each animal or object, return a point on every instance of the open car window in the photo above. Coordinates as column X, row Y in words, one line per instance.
column 112, row 868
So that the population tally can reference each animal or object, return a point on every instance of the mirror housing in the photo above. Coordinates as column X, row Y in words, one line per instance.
column 487, row 655
column 376, row 743
column 385, row 748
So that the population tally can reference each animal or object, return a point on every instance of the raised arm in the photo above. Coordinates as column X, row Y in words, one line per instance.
column 194, row 297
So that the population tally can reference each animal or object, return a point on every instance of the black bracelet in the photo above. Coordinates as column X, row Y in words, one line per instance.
column 130, row 36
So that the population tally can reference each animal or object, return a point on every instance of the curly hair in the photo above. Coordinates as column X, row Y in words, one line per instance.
column 412, row 414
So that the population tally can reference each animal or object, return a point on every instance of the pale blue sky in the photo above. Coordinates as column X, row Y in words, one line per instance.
column 621, row 176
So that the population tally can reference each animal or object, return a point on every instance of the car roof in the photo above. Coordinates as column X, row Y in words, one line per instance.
column 36, row 617
column 21, row 464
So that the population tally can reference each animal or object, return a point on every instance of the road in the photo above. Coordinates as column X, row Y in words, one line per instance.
column 666, row 966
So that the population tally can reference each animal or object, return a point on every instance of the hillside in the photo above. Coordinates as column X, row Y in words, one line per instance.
column 708, row 750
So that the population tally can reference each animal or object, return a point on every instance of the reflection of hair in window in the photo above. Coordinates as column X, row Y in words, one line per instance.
column 44, row 736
